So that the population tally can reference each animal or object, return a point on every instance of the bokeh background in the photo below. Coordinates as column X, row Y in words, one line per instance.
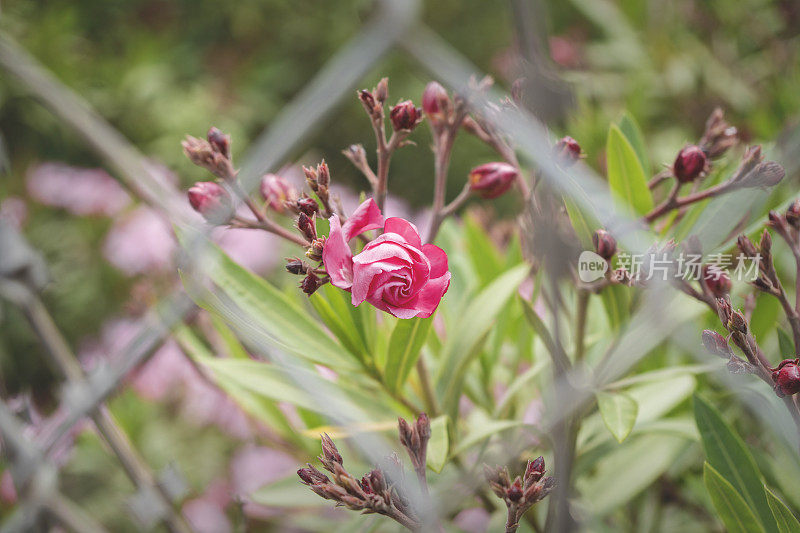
column 159, row 69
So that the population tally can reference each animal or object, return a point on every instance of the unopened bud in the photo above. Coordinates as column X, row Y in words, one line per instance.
column 307, row 226
column 719, row 136
column 491, row 180
column 201, row 153
column 787, row 377
column 765, row 247
column 435, row 102
column 746, row 246
column 219, row 141
column 793, row 214
column 716, row 344
column 276, row 192
column 405, row 116
column 738, row 322
column 356, row 154
column 367, row 99
column 518, row 90
column 423, row 427
column 212, row 201
column 314, row 252
column 534, row 470
column 329, row 451
column 296, row 266
column 311, row 178
column 312, row 476
column 381, row 92
column 514, row 492
column 690, row 163
column 604, row 244
column 567, row 151
column 724, row 310
column 307, row 205
column 717, row 280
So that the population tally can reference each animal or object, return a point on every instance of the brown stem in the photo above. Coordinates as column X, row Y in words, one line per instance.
column 673, row 202
column 428, row 396
column 512, row 524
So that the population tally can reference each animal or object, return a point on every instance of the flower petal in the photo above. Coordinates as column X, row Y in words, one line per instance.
column 365, row 218
column 431, row 295
column 337, row 257
column 436, row 257
column 405, row 229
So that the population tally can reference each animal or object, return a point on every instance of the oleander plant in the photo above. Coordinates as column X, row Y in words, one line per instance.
column 549, row 369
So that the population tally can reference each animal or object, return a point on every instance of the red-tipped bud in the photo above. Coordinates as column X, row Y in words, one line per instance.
column 330, row 454
column 716, row 343
column 219, row 142
column 310, row 283
column 307, row 226
column 276, row 192
column 435, row 102
column 690, row 163
column 746, row 246
column 534, row 470
column 604, row 244
column 307, row 205
column 567, row 151
column 787, row 378
column 490, row 180
column 514, row 492
column 793, row 214
column 717, row 280
column 212, row 201
column 312, row 476
column 405, row 116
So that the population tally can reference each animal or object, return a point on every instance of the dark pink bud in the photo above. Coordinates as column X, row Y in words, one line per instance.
column 535, row 470
column 716, row 343
column 219, row 142
column 717, row 280
column 690, row 163
column 329, row 451
column 490, row 180
column 312, row 476
column 307, row 205
column 787, row 378
column 367, row 99
column 405, row 116
column 276, row 191
column 296, row 266
column 567, row 151
column 435, row 102
column 514, row 492
column 307, row 226
column 212, row 201
column 310, row 283
column 604, row 244
column 746, row 246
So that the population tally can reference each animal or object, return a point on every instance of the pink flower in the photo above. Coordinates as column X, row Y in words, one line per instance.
column 394, row 272
column 81, row 191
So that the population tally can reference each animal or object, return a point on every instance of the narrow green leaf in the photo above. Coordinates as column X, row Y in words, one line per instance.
column 625, row 174
column 228, row 337
column 439, row 445
column 486, row 429
column 727, row 453
column 288, row 492
column 616, row 300
column 486, row 260
column 335, row 314
column 630, row 129
column 732, row 509
column 405, row 345
column 619, row 413
column 466, row 336
column 787, row 521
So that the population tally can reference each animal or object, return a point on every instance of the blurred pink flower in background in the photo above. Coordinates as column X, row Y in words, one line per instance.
column 206, row 513
column 475, row 520
column 257, row 251
column 81, row 191
column 140, row 241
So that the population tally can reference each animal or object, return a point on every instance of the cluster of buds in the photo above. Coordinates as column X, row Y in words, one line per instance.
column 414, row 438
column 786, row 377
column 718, row 345
column 491, row 180
column 380, row 491
column 212, row 153
column 374, row 100
column 754, row 172
column 767, row 280
column 735, row 322
column 567, row 152
column 313, row 278
column 318, row 180
column 521, row 493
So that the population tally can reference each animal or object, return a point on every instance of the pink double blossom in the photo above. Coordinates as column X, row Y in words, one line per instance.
column 394, row 272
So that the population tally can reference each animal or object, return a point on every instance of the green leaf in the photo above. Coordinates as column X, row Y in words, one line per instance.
column 727, row 453
column 482, row 252
column 630, row 128
column 228, row 337
column 288, row 492
column 785, row 343
column 439, row 445
column 334, row 308
column 732, row 509
column 485, row 429
column 262, row 314
column 466, row 336
column 405, row 345
column 625, row 174
column 616, row 300
column 619, row 413
column 787, row 521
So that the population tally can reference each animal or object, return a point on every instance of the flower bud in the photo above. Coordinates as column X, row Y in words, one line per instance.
column 690, row 163
column 276, row 192
column 717, row 280
column 604, row 244
column 746, row 246
column 212, row 201
column 405, row 116
column 381, row 91
column 435, row 102
column 311, row 178
column 724, row 311
column 738, row 322
column 787, row 377
column 534, row 470
column 203, row 154
column 367, row 99
column 330, row 454
column 219, row 142
column 567, row 151
column 490, row 180
column 312, row 476
column 314, row 252
column 307, row 205
column 323, row 175
column 518, row 90
column 716, row 344
column 514, row 492
column 719, row 136
column 296, row 266
column 793, row 214
column 307, row 226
